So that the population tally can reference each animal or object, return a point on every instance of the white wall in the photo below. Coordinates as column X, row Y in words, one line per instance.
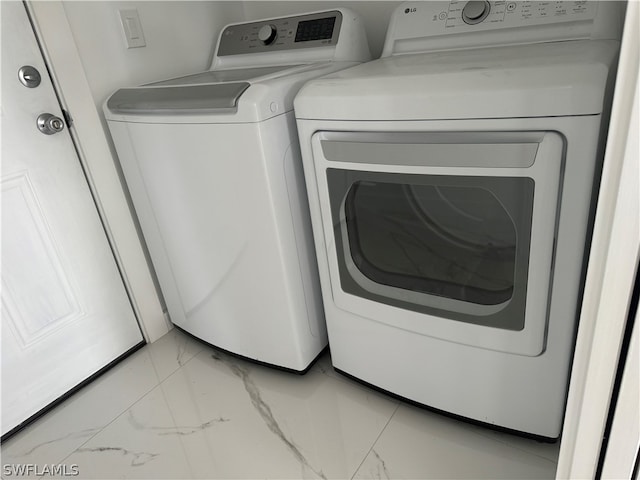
column 375, row 14
column 180, row 36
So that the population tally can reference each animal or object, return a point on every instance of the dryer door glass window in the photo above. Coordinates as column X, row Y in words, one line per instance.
column 455, row 246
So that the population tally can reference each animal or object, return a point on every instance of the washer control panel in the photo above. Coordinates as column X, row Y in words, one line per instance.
column 289, row 33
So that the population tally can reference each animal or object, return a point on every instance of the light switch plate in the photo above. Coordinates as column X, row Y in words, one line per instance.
column 132, row 28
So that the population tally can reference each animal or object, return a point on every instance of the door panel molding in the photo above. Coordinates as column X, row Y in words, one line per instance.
column 26, row 234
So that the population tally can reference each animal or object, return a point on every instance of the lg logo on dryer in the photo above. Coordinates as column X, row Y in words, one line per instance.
column 410, row 10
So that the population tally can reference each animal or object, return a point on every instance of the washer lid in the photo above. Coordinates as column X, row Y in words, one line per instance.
column 177, row 99
column 206, row 92
column 548, row 79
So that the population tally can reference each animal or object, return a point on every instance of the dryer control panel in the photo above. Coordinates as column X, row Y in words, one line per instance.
column 429, row 26
column 462, row 14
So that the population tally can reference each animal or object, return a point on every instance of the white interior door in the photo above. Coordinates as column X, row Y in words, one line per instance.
column 65, row 311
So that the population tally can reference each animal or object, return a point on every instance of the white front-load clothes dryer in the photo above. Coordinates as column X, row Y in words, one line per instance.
column 213, row 165
column 450, row 185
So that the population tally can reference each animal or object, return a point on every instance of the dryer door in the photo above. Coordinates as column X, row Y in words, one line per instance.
column 446, row 234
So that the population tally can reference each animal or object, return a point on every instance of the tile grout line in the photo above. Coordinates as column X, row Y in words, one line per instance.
column 135, row 402
column 159, row 382
column 173, row 418
column 375, row 441
column 180, row 366
column 103, row 427
column 125, row 410
column 111, row 422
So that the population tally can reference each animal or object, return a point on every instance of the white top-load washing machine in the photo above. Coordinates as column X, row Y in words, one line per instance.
column 213, row 166
column 450, row 185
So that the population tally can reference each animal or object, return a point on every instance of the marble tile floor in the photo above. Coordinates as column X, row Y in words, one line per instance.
column 178, row 409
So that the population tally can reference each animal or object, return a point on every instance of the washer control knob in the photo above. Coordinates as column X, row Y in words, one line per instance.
column 267, row 34
column 475, row 11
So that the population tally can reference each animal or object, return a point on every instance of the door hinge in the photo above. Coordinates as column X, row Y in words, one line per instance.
column 67, row 118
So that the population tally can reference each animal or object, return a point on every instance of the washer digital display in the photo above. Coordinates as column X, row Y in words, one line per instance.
column 320, row 29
